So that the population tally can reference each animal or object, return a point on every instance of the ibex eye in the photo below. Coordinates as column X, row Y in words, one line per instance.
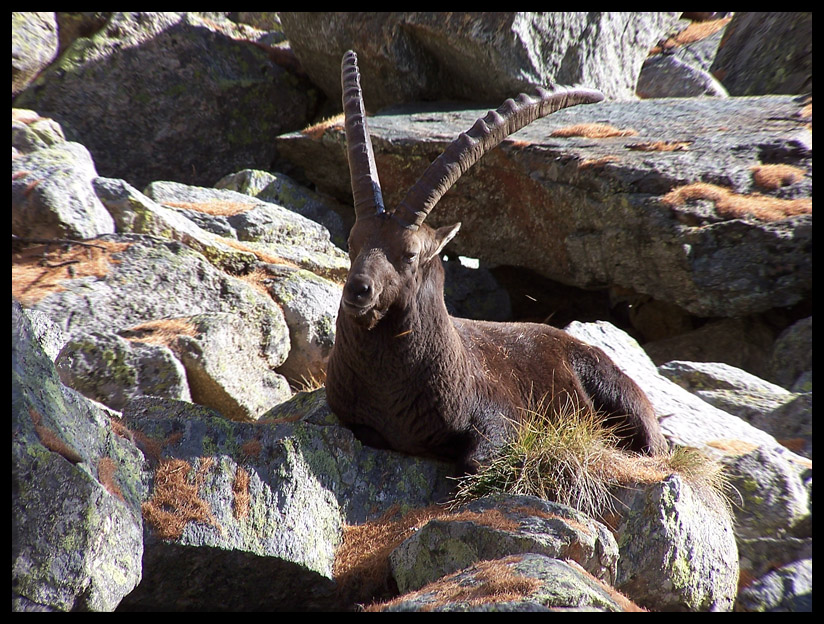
column 409, row 258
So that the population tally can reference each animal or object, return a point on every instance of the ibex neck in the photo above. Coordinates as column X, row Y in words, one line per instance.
column 408, row 337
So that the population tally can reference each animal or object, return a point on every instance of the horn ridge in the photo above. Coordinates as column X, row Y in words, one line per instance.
column 485, row 134
column 363, row 173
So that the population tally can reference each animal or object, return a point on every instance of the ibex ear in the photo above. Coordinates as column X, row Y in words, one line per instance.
column 442, row 237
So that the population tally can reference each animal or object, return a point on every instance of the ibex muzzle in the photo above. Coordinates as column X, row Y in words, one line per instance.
column 405, row 375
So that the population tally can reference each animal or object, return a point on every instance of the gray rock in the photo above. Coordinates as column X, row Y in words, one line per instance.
column 31, row 132
column 791, row 423
column 773, row 498
column 791, row 360
column 498, row 526
column 410, row 56
column 267, row 501
column 229, row 336
column 665, row 75
column 274, row 233
column 136, row 213
column 471, row 291
column 47, row 334
column 33, row 46
column 529, row 582
column 281, row 190
column 785, row 415
column 52, row 194
column 766, row 52
column 230, row 368
column 111, row 370
column 76, row 526
column 591, row 212
column 701, row 53
column 146, row 100
column 745, row 343
column 728, row 388
column 678, row 550
column 789, row 588
column 310, row 307
column 760, row 555
column 685, row 419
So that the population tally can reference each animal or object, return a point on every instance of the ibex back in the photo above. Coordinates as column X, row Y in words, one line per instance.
column 405, row 375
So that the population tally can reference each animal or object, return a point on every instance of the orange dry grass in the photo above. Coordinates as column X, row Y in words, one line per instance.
column 495, row 581
column 362, row 562
column 597, row 162
column 263, row 256
column 39, row 271
column 592, row 131
column 256, row 278
column 240, row 489
column 733, row 205
column 660, row 146
column 696, row 31
column 319, row 129
column 51, row 440
column 215, row 207
column 106, row 470
column 251, row 448
column 773, row 177
column 733, row 447
column 175, row 500
column 161, row 332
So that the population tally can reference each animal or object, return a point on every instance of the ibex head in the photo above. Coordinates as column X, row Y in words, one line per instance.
column 392, row 251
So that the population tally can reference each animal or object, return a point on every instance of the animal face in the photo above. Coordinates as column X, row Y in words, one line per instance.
column 388, row 262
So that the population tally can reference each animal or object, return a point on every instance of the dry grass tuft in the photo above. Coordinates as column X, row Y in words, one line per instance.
column 251, row 448
column 696, row 31
column 161, row 332
column 106, row 470
column 592, row 131
column 735, row 206
column 317, row 130
column 597, row 162
column 733, row 447
column 362, row 562
column 772, row 177
column 120, row 429
column 51, row 440
column 215, row 207
column 257, row 279
column 494, row 581
column 311, row 381
column 263, row 256
column 571, row 458
column 660, row 146
column 39, row 271
column 240, row 489
column 175, row 500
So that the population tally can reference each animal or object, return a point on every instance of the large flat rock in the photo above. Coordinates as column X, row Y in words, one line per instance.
column 591, row 212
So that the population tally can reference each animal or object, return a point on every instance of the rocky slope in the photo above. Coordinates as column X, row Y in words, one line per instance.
column 176, row 271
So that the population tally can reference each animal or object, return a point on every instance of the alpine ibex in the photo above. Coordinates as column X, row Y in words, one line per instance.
column 405, row 375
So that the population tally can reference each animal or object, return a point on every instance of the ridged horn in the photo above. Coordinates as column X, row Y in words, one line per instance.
column 366, row 187
column 487, row 132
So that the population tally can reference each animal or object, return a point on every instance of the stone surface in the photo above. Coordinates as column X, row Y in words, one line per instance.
column 592, row 212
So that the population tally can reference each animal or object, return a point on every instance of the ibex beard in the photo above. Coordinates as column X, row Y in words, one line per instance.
column 403, row 374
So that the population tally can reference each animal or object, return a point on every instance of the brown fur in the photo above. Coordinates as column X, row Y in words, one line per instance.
column 405, row 375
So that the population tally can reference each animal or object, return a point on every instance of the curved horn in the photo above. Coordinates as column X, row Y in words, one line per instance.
column 366, row 187
column 487, row 132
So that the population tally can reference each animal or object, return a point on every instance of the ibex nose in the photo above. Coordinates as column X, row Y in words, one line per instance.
column 358, row 291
